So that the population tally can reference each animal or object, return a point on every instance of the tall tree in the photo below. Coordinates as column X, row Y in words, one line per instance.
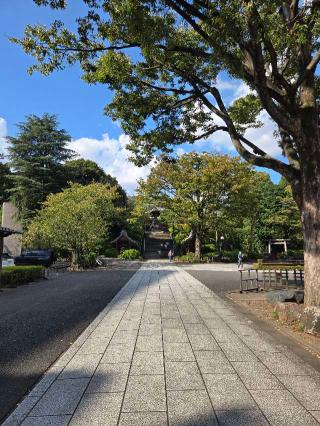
column 86, row 172
column 5, row 183
column 166, row 92
column 200, row 192
column 36, row 157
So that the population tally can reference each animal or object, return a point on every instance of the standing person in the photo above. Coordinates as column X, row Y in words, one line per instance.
column 170, row 255
column 240, row 260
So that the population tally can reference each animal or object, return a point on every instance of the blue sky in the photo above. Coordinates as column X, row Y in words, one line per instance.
column 78, row 105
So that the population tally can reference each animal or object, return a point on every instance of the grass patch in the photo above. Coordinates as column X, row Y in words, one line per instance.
column 275, row 315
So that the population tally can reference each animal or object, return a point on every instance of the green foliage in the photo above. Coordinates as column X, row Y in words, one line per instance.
column 209, row 194
column 36, row 156
column 188, row 258
column 162, row 60
column 77, row 219
column 5, row 182
column 230, row 255
column 275, row 315
column 110, row 252
column 85, row 172
column 13, row 276
column 130, row 254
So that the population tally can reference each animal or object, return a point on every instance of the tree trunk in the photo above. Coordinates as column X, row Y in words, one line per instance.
column 197, row 246
column 310, row 189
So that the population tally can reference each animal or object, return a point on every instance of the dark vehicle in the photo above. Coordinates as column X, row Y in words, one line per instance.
column 35, row 257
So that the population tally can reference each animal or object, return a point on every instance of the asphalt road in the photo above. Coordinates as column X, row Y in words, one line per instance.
column 39, row 321
column 220, row 282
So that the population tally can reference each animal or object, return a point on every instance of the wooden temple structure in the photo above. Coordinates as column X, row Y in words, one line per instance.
column 124, row 241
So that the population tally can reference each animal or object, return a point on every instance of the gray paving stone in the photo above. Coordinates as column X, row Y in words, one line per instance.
column 94, row 346
column 109, row 378
column 124, row 337
column 103, row 331
column 183, row 376
column 61, row 398
column 256, row 376
column 80, row 366
column 143, row 419
column 198, row 329
column 316, row 415
column 171, row 323
column 98, row 409
column 192, row 408
column 279, row 363
column 227, row 392
column 178, row 352
column 281, row 408
column 223, row 334
column 237, row 352
column 127, row 325
column 46, row 421
column 149, row 343
column 150, row 319
column 214, row 362
column 203, row 342
column 191, row 319
column 147, row 363
column 305, row 388
column 21, row 411
column 150, row 329
column 145, row 393
column 48, row 378
column 118, row 353
column 241, row 418
column 175, row 336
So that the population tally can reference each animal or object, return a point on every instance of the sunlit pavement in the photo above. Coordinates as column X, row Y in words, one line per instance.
column 167, row 349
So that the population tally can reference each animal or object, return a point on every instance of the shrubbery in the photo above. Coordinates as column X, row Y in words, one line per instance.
column 13, row 276
column 130, row 254
column 110, row 252
column 188, row 258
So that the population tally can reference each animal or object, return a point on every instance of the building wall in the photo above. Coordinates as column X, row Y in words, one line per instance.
column 12, row 244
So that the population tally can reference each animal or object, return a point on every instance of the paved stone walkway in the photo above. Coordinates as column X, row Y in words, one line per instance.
column 167, row 350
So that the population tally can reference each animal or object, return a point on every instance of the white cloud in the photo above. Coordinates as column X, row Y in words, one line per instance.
column 262, row 137
column 111, row 154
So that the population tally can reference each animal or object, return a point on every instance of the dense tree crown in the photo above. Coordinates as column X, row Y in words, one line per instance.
column 36, row 158
column 217, row 195
column 86, row 172
column 77, row 220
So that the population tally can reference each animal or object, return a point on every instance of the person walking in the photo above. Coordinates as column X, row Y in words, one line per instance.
column 170, row 255
column 240, row 260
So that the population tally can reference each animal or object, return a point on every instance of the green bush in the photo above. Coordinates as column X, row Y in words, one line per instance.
column 13, row 276
column 188, row 258
column 130, row 254
column 230, row 256
column 110, row 252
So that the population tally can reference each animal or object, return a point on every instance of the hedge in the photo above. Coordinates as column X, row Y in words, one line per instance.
column 130, row 254
column 278, row 266
column 13, row 276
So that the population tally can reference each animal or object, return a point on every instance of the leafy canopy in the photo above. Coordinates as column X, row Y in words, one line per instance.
column 77, row 219
column 162, row 59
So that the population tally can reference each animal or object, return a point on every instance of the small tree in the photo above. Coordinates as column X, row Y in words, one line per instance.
column 36, row 156
column 76, row 219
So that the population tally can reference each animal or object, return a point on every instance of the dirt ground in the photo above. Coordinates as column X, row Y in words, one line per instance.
column 257, row 304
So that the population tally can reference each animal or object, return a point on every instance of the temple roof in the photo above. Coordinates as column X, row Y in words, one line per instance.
column 123, row 236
